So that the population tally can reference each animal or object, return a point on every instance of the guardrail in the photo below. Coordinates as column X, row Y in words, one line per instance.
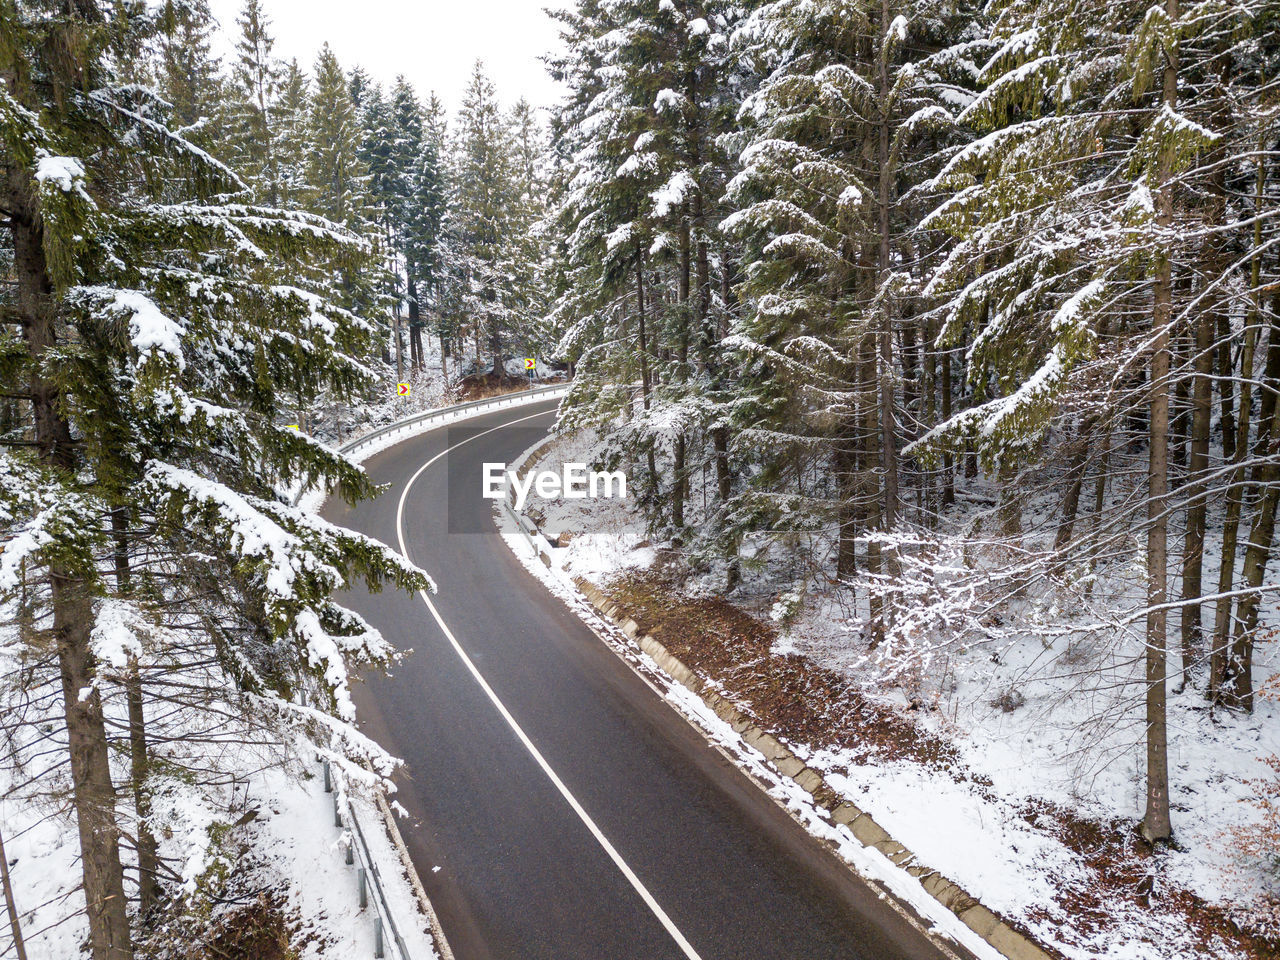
column 369, row 879
column 358, row 846
column 418, row 421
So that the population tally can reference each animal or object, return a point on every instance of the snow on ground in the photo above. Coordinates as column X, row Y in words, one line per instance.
column 295, row 847
column 610, row 543
column 1048, row 719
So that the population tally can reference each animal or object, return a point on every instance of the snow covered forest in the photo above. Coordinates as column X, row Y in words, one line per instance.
column 945, row 336
column 959, row 322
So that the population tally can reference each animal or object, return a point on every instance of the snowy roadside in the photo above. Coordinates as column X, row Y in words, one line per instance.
column 870, row 864
column 291, row 854
column 1024, row 810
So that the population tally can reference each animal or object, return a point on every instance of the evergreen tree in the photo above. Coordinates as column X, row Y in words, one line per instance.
column 483, row 197
column 641, row 216
column 423, row 231
column 257, row 77
column 291, row 137
column 159, row 331
column 188, row 72
column 335, row 171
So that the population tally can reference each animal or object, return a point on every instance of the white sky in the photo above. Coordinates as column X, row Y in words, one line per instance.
column 432, row 42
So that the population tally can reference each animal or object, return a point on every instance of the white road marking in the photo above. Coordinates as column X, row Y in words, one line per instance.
column 577, row 808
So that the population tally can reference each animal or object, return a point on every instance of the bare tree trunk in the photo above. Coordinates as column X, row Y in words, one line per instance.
column 92, row 791
column 646, row 378
column 14, row 925
column 1238, row 682
column 1156, row 824
column 139, row 753
column 1075, row 473
column 847, row 514
column 1193, row 542
column 1099, row 500
column 869, row 485
column 888, row 435
column 679, row 490
column 1180, row 412
column 1225, row 383
column 1239, row 447
column 1231, row 522
column 645, row 386
column 399, row 345
column 415, row 327
column 948, row 467
column 720, row 433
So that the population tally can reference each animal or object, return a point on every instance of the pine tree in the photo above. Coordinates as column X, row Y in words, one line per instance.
column 483, row 194
column 189, row 73
column 423, row 222
column 334, row 168
column 160, row 329
column 257, row 76
column 649, row 271
column 291, row 138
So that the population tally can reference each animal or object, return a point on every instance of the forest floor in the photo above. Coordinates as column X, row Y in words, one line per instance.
column 1015, row 768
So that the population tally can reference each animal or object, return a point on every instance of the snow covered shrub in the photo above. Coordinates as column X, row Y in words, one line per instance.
column 1010, row 700
column 786, row 608
column 938, row 604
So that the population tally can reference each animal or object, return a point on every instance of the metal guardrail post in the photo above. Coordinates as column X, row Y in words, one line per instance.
column 328, row 778
column 363, row 878
column 378, row 951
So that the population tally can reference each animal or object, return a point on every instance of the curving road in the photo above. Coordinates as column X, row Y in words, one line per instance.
column 564, row 810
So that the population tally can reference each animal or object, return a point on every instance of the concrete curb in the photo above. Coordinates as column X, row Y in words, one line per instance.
column 982, row 921
column 419, row 891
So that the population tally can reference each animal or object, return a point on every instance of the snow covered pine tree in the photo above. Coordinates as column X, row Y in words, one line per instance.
column 156, row 326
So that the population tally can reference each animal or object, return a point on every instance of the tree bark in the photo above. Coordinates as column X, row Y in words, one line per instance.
column 1076, row 474
column 93, row 794
column 1225, row 383
column 1198, row 464
column 1156, row 824
column 1238, row 682
column 948, row 466
column 679, row 490
column 646, row 380
column 888, row 436
column 1239, row 447
column 1231, row 522
column 15, row 926
column 1236, row 688
column 139, row 753
column 415, row 327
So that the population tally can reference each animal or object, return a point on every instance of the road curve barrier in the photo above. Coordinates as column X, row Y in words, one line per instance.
column 429, row 419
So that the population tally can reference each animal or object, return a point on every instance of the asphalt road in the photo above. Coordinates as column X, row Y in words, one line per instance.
column 514, row 871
